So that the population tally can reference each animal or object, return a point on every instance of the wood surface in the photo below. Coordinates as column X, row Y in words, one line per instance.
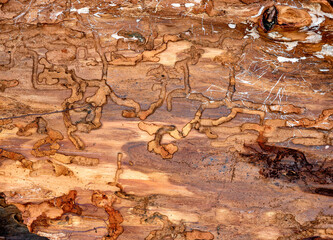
column 166, row 119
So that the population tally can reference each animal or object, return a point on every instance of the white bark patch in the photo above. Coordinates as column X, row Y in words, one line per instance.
column 81, row 10
column 290, row 45
column 313, row 37
column 316, row 20
column 252, row 33
column 116, row 36
column 325, row 50
column 188, row 5
column 232, row 25
column 284, row 59
column 277, row 35
column 175, row 5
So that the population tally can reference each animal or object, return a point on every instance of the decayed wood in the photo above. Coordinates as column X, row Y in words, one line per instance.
column 145, row 119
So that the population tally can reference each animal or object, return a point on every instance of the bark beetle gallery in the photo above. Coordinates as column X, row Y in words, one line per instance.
column 166, row 119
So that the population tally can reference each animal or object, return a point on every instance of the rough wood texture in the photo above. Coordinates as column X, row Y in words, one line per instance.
column 166, row 119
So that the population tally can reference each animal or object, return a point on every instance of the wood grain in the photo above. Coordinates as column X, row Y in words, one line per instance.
column 167, row 119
